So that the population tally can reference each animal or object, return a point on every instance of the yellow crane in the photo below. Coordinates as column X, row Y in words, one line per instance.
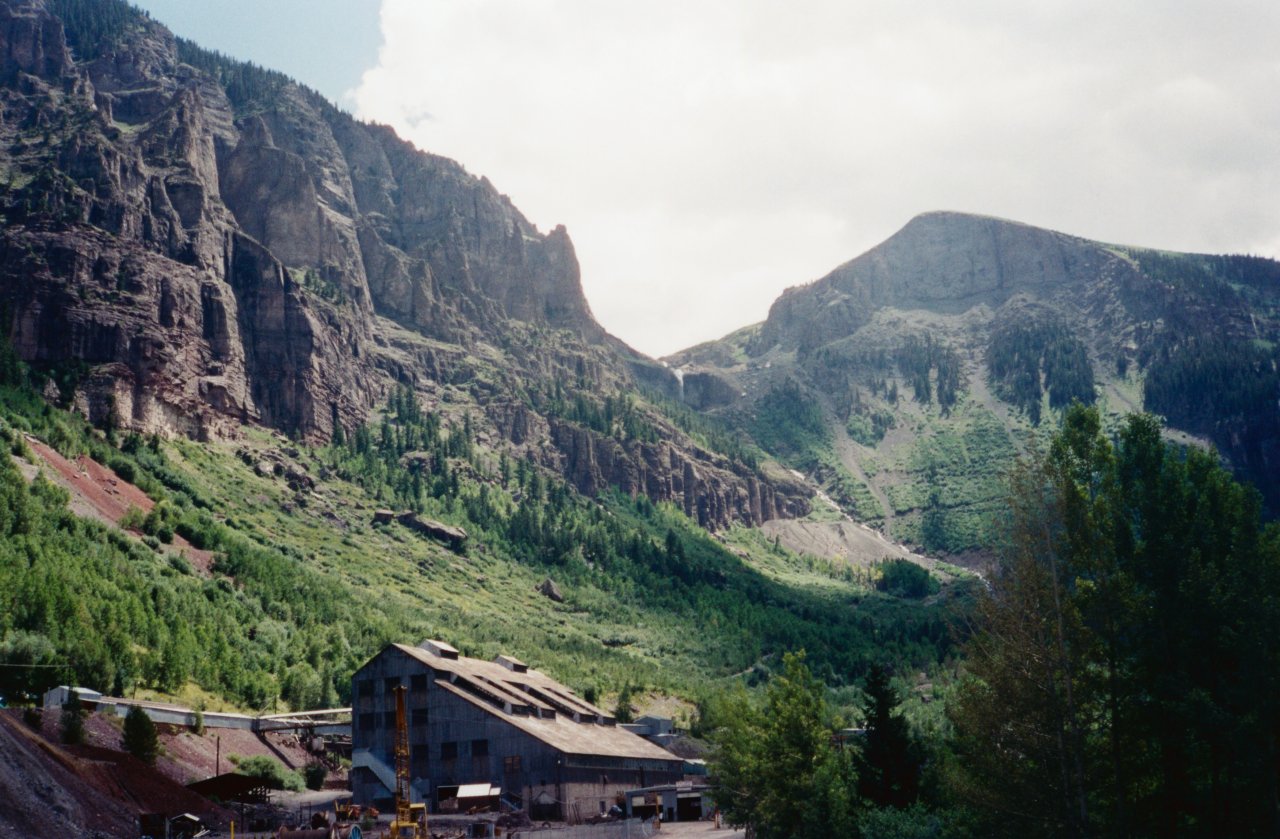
column 408, row 824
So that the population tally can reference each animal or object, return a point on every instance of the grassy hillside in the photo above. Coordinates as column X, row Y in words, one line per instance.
column 304, row 586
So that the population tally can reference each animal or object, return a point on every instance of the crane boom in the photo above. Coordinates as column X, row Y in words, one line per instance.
column 404, row 813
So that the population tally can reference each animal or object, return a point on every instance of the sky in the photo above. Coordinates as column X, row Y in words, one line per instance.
column 707, row 155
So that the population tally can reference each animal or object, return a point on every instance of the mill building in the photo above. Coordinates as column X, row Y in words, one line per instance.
column 489, row 731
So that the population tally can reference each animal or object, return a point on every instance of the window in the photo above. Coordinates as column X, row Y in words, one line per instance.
column 479, row 748
column 391, row 683
column 367, row 722
column 511, row 764
column 449, row 750
column 418, row 681
column 418, row 716
column 365, row 687
column 389, row 719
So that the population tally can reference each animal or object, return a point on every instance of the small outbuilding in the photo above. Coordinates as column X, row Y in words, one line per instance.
column 684, row 801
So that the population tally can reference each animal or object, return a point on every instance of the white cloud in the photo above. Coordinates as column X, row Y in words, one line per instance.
column 706, row 155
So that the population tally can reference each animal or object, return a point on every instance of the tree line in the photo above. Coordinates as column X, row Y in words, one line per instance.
column 1027, row 360
column 1121, row 679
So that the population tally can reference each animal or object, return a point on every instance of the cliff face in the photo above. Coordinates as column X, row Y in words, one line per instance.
column 711, row 490
column 943, row 345
column 193, row 244
column 248, row 252
column 942, row 262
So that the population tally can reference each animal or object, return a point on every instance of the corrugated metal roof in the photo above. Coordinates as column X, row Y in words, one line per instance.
column 559, row 731
column 570, row 737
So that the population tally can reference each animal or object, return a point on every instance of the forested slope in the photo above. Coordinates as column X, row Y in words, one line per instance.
column 304, row 585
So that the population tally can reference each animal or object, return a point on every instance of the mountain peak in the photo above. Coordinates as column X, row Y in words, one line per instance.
column 941, row 261
column 250, row 234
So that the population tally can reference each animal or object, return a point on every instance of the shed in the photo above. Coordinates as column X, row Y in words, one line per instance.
column 683, row 801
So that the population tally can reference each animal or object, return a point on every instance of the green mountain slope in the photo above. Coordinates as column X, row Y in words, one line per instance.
column 907, row 380
column 304, row 584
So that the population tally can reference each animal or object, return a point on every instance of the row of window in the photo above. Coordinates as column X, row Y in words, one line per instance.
column 369, row 720
column 449, row 749
column 365, row 687
column 479, row 748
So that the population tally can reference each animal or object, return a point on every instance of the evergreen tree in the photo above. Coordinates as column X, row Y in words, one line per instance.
column 73, row 720
column 12, row 372
column 624, row 711
column 1126, row 674
column 776, row 767
column 140, row 738
column 889, row 762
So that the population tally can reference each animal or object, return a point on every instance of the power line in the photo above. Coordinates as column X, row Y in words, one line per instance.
column 51, row 666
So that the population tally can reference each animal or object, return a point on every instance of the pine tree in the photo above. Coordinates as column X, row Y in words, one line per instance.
column 777, row 769
column 140, row 738
column 624, row 711
column 889, row 763
column 1125, row 674
column 73, row 720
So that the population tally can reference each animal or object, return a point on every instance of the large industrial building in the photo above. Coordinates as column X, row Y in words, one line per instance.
column 490, row 730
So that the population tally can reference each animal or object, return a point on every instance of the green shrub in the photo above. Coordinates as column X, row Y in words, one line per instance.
column 132, row 518
column 903, row 578
column 124, row 469
column 315, row 774
column 270, row 771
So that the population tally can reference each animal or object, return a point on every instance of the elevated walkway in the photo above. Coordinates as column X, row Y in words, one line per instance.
column 325, row 721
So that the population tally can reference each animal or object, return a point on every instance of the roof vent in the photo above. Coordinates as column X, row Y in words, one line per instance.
column 512, row 664
column 439, row 648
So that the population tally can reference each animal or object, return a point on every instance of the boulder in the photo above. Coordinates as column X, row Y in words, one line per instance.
column 454, row 537
column 551, row 590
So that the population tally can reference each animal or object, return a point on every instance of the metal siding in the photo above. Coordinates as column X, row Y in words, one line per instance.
column 571, row 779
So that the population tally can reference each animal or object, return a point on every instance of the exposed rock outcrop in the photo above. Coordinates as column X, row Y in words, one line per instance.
column 447, row 534
column 193, row 244
column 994, row 317
column 710, row 489
column 247, row 253
column 549, row 589
column 943, row 262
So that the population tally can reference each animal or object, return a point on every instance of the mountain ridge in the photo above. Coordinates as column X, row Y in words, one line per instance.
column 194, row 243
column 1003, row 323
column 212, row 245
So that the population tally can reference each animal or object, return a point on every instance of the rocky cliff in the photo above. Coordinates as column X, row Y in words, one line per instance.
column 191, row 244
column 942, row 262
column 915, row 367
